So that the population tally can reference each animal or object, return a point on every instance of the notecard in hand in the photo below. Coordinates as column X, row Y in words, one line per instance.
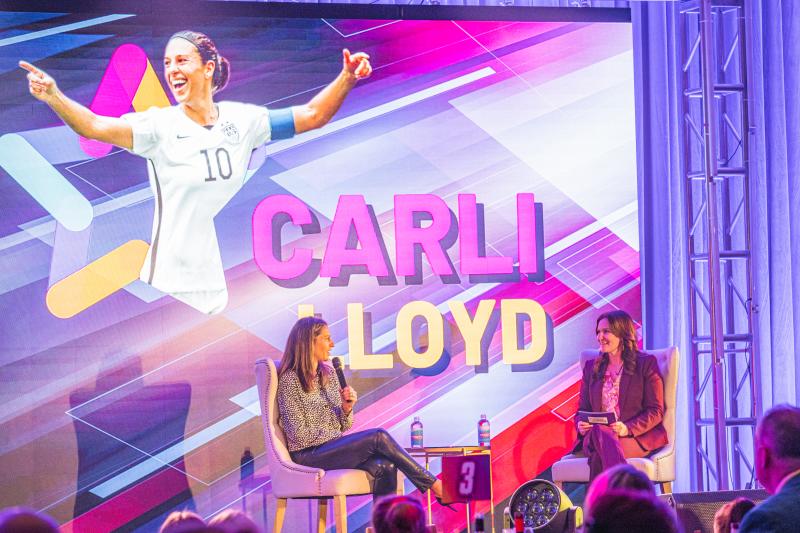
column 592, row 417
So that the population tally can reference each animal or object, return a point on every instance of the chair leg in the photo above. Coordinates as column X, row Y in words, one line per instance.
column 280, row 514
column 340, row 512
column 666, row 487
column 322, row 515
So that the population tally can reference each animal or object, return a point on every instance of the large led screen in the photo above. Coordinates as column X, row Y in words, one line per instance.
column 511, row 142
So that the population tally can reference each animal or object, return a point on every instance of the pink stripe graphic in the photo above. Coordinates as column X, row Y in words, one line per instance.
column 115, row 94
column 131, row 503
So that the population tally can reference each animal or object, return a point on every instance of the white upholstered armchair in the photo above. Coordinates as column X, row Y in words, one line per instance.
column 659, row 467
column 291, row 480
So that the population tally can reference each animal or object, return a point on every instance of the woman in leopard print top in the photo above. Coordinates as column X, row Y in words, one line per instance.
column 314, row 412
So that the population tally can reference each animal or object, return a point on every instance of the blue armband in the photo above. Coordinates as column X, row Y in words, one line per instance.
column 281, row 123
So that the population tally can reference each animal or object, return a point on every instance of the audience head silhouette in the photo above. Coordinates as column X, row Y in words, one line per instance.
column 398, row 514
column 777, row 445
column 183, row 522
column 731, row 513
column 626, row 511
column 622, row 476
column 23, row 520
column 233, row 521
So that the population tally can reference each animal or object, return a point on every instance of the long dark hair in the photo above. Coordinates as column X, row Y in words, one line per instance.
column 208, row 52
column 299, row 352
column 621, row 324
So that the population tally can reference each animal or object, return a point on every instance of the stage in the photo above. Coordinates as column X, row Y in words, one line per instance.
column 505, row 175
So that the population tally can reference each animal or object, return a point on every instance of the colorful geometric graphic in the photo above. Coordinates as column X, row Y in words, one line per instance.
column 44, row 183
column 129, row 80
column 97, row 280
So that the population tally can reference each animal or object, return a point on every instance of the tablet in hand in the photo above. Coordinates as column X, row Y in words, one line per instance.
column 593, row 417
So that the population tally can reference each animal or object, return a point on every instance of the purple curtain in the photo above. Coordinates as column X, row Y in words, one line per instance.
column 775, row 166
column 657, row 66
column 774, row 46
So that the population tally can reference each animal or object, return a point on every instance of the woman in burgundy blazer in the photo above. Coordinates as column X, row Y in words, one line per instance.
column 626, row 381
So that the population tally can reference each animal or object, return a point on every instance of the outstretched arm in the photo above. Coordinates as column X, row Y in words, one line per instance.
column 327, row 102
column 83, row 121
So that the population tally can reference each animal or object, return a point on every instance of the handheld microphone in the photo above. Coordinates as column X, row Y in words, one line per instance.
column 337, row 366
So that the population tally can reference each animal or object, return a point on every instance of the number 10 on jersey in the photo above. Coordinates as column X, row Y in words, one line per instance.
column 466, row 478
column 223, row 168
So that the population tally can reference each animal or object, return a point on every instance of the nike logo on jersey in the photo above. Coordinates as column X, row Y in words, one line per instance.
column 183, row 136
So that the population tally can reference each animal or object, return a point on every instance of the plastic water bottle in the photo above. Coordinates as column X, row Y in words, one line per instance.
column 479, row 523
column 483, row 431
column 508, row 521
column 246, row 465
column 416, row 433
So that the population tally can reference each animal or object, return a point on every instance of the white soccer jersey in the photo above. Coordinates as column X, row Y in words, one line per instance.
column 194, row 172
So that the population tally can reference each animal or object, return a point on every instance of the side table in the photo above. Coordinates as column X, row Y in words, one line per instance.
column 430, row 452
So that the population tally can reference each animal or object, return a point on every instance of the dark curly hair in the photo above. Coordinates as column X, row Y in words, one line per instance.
column 621, row 324
column 208, row 52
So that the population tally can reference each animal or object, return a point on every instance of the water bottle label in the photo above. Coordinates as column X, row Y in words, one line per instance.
column 416, row 438
column 483, row 434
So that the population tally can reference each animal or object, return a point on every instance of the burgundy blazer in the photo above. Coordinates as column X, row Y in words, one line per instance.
column 641, row 400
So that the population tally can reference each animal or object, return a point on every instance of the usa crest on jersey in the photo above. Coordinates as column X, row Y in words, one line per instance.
column 231, row 132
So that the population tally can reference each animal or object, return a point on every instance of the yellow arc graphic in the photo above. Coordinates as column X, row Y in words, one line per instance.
column 97, row 280
column 150, row 92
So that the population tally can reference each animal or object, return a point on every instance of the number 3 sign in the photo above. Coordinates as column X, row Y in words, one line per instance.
column 465, row 478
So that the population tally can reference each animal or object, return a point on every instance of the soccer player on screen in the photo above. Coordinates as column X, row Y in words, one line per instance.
column 198, row 153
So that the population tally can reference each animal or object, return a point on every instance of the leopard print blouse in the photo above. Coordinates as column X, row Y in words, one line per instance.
column 311, row 418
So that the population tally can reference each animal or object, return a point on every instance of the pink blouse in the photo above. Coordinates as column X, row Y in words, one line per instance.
column 610, row 395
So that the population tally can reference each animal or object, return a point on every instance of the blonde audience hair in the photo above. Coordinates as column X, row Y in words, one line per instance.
column 182, row 522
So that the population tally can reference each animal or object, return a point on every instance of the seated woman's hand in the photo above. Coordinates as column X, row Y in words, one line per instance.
column 349, row 398
column 584, row 427
column 620, row 429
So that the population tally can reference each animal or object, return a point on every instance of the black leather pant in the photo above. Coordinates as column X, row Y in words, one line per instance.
column 373, row 450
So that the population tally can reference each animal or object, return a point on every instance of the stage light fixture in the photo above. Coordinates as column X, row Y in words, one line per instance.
column 545, row 507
